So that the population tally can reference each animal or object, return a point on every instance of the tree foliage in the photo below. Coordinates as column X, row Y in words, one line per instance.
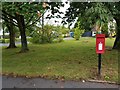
column 78, row 31
column 22, row 15
column 94, row 13
column 47, row 35
column 26, row 9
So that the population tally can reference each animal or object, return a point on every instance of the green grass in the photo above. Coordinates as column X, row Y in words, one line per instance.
column 71, row 60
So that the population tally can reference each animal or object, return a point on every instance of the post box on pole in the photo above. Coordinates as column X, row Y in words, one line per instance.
column 100, row 43
column 100, row 49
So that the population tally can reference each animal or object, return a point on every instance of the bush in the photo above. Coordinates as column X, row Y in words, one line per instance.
column 4, row 40
column 18, row 39
column 58, row 39
column 77, row 34
column 7, row 40
column 78, row 31
column 50, row 34
column 35, row 38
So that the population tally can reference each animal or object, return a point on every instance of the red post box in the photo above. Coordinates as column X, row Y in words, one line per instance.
column 100, row 43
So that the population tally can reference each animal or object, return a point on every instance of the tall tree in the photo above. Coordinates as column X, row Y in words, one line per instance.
column 2, row 26
column 23, row 15
column 114, row 8
column 98, row 10
column 11, row 35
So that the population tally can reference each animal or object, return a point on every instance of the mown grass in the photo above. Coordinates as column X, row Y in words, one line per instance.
column 70, row 60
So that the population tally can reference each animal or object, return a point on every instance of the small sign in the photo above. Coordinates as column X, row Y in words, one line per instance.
column 100, row 46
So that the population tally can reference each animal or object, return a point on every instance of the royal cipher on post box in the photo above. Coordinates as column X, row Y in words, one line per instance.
column 100, row 43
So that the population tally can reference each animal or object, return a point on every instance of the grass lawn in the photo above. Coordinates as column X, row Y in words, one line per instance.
column 69, row 60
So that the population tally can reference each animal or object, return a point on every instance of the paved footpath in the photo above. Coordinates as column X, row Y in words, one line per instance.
column 10, row 82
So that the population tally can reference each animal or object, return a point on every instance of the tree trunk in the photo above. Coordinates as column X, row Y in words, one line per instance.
column 21, row 25
column 11, row 36
column 3, row 37
column 117, row 40
column 43, row 40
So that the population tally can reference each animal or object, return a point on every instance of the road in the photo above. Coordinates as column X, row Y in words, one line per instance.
column 10, row 82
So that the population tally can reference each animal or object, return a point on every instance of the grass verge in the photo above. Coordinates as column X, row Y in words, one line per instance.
column 69, row 60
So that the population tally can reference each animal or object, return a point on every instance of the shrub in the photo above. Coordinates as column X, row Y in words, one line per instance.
column 78, row 31
column 48, row 35
column 35, row 38
column 77, row 34
column 4, row 40
column 58, row 39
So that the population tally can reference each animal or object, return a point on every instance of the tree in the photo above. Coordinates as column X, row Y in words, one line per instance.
column 25, row 13
column 98, row 15
column 99, row 11
column 11, row 35
column 114, row 8
column 76, row 10
column 11, row 31
column 78, row 31
column 8, row 28
column 22, row 15
column 2, row 24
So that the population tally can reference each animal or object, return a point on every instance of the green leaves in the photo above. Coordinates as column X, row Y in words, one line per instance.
column 90, row 13
column 28, row 10
column 22, row 7
column 78, row 31
column 98, row 12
